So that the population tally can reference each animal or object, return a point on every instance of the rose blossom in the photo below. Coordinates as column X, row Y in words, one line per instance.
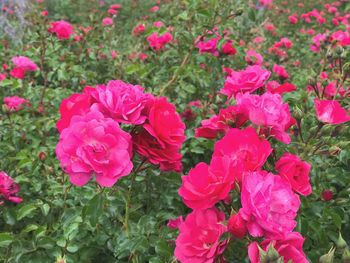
column 24, row 63
column 18, row 73
column 209, row 46
column 8, row 189
column 247, row 80
column 296, row 172
column 244, row 148
column 290, row 247
column 62, row 29
column 228, row 118
column 253, row 58
column 158, row 42
column 122, row 101
column 200, row 237
column 330, row 111
column 139, row 29
column 280, row 71
column 76, row 104
column 15, row 103
column 205, row 185
column 162, row 135
column 94, row 145
column 269, row 205
column 269, row 111
column 228, row 48
column 107, row 21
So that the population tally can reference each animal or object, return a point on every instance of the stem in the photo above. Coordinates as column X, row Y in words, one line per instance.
column 128, row 199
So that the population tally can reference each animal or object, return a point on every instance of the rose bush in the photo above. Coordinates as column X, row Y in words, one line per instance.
column 165, row 131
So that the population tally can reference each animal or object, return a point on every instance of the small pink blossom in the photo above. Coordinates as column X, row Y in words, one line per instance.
column 15, row 103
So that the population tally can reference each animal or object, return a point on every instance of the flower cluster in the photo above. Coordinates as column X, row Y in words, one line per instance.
column 93, row 143
column 239, row 166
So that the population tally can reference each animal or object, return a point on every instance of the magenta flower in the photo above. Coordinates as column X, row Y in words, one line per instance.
column 15, row 103
column 8, row 189
column 24, row 63
column 269, row 205
column 94, row 146
column 200, row 237
column 330, row 111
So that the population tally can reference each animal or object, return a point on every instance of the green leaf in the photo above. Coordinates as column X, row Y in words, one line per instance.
column 94, row 209
column 6, row 239
column 25, row 211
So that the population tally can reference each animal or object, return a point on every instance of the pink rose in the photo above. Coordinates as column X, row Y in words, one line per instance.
column 76, row 104
column 296, row 172
column 62, row 29
column 122, row 101
column 8, row 189
column 107, row 21
column 2, row 76
column 139, row 29
column 253, row 58
column 166, row 156
column 94, row 145
column 18, row 73
column 268, row 111
column 290, row 247
column 200, row 237
column 24, row 63
column 269, row 205
column 228, row 48
column 247, row 80
column 330, row 111
column 157, row 42
column 280, row 71
column 244, row 148
column 228, row 118
column 205, row 185
column 209, row 46
column 293, row 19
column 15, row 103
column 162, row 135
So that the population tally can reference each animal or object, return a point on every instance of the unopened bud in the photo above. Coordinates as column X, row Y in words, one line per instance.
column 329, row 257
column 42, row 156
column 339, row 50
column 341, row 243
column 61, row 260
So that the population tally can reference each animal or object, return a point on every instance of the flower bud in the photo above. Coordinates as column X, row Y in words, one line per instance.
column 270, row 256
column 61, row 260
column 346, row 256
column 339, row 50
column 42, row 156
column 341, row 243
column 237, row 226
column 329, row 257
column 327, row 195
